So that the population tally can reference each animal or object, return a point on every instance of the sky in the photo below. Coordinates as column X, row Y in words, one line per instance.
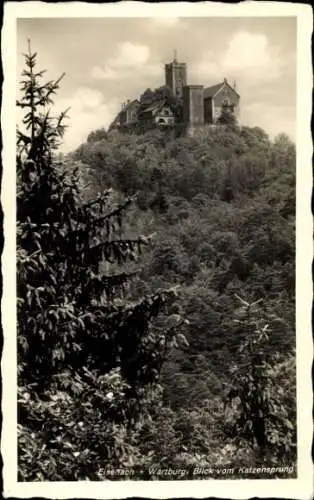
column 110, row 60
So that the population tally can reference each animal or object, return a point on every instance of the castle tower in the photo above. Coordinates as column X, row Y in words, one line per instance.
column 193, row 105
column 175, row 75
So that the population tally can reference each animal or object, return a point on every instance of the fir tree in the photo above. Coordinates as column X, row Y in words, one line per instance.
column 88, row 356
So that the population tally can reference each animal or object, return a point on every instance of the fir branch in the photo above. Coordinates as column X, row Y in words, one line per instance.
column 117, row 211
column 118, row 250
column 100, row 199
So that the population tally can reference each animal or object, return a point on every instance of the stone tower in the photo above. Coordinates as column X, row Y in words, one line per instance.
column 193, row 105
column 175, row 73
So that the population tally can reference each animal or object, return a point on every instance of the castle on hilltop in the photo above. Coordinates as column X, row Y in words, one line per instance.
column 178, row 104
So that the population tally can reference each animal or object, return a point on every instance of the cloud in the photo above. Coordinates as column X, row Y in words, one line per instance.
column 108, row 73
column 271, row 118
column 252, row 52
column 264, row 76
column 87, row 99
column 206, row 68
column 248, row 56
column 88, row 111
column 129, row 59
column 131, row 55
column 164, row 22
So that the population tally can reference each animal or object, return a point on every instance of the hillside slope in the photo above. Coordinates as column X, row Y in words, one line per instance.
column 222, row 207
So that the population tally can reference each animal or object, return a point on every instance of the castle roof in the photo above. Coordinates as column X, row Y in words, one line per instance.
column 130, row 104
column 156, row 106
column 212, row 91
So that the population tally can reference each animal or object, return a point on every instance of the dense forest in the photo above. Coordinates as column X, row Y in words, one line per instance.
column 156, row 290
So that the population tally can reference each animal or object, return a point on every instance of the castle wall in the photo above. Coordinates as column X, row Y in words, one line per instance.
column 217, row 110
column 208, row 110
column 193, row 105
column 225, row 95
column 129, row 113
column 165, row 117
column 132, row 112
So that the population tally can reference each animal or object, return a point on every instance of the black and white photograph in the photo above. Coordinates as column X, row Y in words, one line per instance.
column 157, row 262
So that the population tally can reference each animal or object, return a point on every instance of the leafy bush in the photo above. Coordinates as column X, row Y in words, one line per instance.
column 263, row 413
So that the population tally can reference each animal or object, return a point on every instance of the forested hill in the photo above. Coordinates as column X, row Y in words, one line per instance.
column 226, row 164
column 222, row 207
